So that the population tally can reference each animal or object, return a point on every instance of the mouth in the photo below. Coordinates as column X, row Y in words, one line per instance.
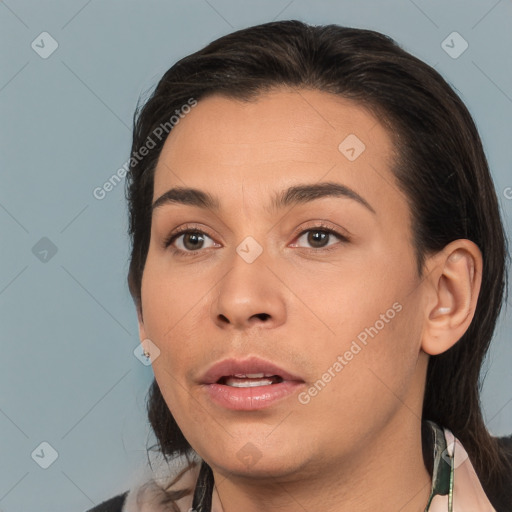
column 250, row 372
column 250, row 384
column 250, row 380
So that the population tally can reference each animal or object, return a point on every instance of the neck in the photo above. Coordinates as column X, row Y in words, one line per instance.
column 387, row 475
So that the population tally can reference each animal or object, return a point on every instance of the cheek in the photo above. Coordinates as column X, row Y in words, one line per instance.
column 168, row 298
column 170, row 312
column 362, row 295
column 369, row 335
column 365, row 379
column 167, row 307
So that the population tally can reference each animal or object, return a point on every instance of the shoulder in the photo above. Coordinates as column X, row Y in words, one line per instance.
column 114, row 504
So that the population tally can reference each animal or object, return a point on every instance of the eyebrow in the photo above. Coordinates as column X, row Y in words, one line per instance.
column 298, row 194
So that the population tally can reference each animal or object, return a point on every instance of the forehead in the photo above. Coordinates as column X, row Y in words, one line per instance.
column 278, row 138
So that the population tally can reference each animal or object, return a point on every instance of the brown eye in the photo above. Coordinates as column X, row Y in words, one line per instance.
column 193, row 241
column 188, row 241
column 319, row 238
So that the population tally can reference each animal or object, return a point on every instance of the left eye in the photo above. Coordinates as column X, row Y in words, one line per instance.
column 319, row 238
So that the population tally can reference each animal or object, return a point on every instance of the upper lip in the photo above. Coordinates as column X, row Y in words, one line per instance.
column 251, row 365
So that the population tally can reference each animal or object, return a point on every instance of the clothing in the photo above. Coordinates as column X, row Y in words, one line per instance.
column 455, row 485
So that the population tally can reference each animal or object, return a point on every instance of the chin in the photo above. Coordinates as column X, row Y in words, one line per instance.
column 254, row 461
column 266, row 468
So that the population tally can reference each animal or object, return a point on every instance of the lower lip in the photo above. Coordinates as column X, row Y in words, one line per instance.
column 252, row 398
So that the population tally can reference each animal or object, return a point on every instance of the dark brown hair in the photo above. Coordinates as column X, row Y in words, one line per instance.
column 440, row 166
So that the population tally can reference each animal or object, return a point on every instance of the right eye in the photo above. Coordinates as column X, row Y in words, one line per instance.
column 188, row 242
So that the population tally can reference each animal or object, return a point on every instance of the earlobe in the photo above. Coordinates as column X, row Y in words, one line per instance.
column 454, row 286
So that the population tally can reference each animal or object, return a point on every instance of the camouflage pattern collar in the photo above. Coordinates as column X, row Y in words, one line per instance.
column 455, row 484
column 443, row 472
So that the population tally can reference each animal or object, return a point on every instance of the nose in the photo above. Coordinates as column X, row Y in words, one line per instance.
column 249, row 294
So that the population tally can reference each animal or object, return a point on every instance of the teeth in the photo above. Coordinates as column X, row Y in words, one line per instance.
column 251, row 375
column 237, row 383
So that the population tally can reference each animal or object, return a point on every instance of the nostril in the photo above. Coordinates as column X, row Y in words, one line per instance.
column 223, row 318
column 263, row 316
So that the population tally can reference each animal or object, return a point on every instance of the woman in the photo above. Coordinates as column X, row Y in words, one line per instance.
column 318, row 264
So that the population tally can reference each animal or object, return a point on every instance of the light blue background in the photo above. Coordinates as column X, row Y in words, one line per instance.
column 68, row 375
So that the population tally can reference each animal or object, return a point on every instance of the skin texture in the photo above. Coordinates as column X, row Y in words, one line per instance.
column 356, row 445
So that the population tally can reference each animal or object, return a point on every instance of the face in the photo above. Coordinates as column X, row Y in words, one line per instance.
column 321, row 281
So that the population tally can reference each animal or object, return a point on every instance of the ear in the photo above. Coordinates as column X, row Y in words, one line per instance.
column 453, row 284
